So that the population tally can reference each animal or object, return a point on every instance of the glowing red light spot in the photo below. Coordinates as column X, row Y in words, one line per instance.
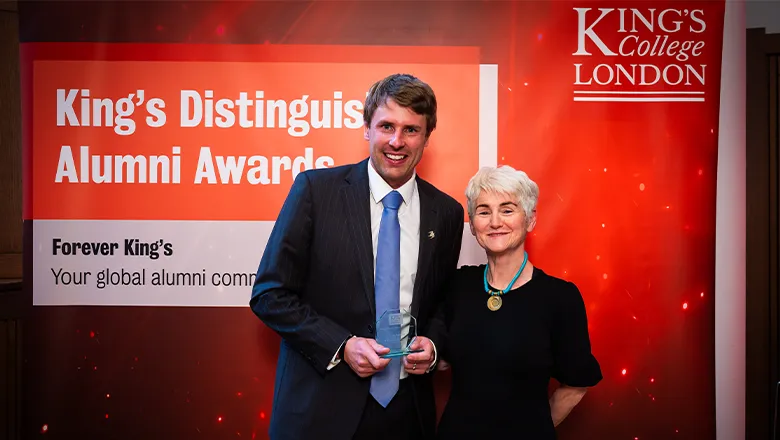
column 108, row 395
column 701, row 172
column 262, row 415
column 44, row 428
column 623, row 372
column 106, row 415
column 95, row 368
column 685, row 306
column 702, row 295
column 652, row 380
column 91, row 334
column 135, row 358
column 219, row 419
column 238, row 394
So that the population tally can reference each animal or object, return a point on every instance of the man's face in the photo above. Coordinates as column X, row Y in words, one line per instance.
column 396, row 139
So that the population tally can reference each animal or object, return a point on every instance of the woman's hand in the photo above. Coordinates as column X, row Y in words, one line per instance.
column 563, row 400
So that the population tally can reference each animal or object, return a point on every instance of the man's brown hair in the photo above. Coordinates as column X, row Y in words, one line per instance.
column 407, row 91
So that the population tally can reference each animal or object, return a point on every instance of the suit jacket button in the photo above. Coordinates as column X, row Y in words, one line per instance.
column 370, row 328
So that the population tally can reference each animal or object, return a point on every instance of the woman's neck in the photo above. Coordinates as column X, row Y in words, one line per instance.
column 503, row 268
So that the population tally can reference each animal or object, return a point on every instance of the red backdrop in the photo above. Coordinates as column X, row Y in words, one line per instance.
column 626, row 212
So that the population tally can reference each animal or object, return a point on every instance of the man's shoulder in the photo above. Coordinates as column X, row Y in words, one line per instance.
column 318, row 175
column 441, row 197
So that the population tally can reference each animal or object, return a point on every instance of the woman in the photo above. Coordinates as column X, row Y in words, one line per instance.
column 511, row 326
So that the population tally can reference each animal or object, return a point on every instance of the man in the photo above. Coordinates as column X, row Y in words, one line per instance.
column 349, row 243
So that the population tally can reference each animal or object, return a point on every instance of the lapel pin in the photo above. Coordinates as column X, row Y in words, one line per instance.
column 431, row 235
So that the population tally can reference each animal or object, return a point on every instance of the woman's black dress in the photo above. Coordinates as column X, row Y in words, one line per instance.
column 502, row 361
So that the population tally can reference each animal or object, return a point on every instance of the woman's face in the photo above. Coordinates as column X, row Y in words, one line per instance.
column 499, row 223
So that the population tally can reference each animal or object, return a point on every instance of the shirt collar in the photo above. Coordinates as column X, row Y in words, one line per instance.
column 379, row 188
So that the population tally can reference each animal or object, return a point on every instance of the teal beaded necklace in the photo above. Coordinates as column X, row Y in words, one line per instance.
column 495, row 301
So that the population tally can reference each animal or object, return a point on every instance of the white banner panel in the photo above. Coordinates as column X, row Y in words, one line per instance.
column 155, row 263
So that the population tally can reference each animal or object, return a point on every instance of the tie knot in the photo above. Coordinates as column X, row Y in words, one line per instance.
column 393, row 200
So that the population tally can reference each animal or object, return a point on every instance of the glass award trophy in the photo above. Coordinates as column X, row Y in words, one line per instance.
column 390, row 332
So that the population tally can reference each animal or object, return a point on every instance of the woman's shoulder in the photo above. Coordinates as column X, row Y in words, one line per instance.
column 468, row 273
column 470, row 270
column 559, row 287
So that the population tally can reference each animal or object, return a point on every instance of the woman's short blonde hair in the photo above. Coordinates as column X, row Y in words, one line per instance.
column 503, row 179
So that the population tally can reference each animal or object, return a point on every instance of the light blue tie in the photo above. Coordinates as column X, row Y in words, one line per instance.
column 387, row 290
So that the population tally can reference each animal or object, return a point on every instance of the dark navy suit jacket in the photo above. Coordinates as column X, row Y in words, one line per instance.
column 315, row 288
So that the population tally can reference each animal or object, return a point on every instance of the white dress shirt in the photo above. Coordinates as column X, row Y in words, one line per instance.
column 409, row 220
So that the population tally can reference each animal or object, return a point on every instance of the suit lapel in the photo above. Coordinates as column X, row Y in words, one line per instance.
column 428, row 220
column 356, row 199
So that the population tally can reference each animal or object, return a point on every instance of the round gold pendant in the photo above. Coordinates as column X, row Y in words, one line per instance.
column 494, row 303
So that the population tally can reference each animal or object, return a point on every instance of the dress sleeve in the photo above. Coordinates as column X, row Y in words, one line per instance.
column 574, row 363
